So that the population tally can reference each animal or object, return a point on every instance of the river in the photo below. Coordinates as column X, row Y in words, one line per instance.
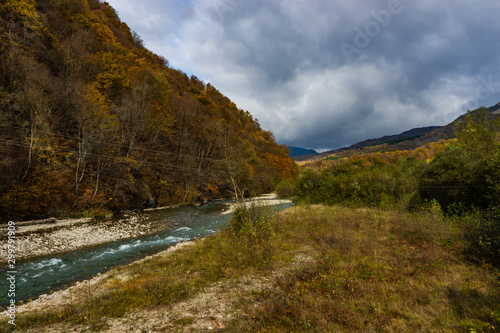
column 45, row 274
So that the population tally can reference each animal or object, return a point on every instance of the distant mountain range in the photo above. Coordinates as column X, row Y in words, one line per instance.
column 297, row 151
column 404, row 141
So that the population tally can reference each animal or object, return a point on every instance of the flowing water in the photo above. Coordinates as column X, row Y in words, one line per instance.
column 49, row 273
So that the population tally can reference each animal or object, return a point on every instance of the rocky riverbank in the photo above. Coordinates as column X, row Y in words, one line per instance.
column 52, row 236
column 209, row 309
column 38, row 239
column 80, row 290
column 266, row 200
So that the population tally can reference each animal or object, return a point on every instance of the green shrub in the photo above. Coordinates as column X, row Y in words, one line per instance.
column 251, row 232
column 284, row 189
column 306, row 185
column 249, row 219
column 481, row 230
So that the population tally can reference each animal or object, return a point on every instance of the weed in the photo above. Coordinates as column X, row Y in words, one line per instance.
column 185, row 321
column 399, row 282
column 368, row 270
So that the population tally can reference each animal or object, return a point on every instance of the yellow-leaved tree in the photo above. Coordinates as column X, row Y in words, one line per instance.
column 23, row 10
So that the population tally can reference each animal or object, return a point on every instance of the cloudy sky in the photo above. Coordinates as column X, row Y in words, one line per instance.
column 329, row 73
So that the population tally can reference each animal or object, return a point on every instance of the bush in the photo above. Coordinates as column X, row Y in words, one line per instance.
column 375, row 184
column 251, row 232
column 448, row 179
column 284, row 189
column 249, row 220
column 481, row 230
column 305, row 186
column 454, row 179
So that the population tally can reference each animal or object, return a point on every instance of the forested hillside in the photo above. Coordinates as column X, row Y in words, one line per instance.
column 93, row 122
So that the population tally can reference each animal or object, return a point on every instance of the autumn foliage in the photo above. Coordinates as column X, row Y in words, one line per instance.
column 458, row 177
column 91, row 121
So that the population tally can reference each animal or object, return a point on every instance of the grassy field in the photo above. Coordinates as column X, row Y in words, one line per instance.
column 313, row 269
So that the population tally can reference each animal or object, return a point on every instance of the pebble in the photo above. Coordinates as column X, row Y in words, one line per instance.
column 62, row 297
column 59, row 237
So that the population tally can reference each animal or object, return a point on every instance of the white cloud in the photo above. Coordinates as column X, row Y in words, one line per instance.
column 281, row 61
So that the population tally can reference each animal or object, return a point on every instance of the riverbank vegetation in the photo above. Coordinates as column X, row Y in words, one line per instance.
column 312, row 268
column 460, row 176
column 378, row 243
column 91, row 122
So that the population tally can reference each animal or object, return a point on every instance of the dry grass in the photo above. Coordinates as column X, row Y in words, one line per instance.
column 361, row 270
column 380, row 271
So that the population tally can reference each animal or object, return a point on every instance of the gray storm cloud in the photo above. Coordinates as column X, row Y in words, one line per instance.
column 324, row 74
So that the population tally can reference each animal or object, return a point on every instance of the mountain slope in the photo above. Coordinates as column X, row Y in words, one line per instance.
column 408, row 138
column 92, row 121
column 297, row 151
column 405, row 141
